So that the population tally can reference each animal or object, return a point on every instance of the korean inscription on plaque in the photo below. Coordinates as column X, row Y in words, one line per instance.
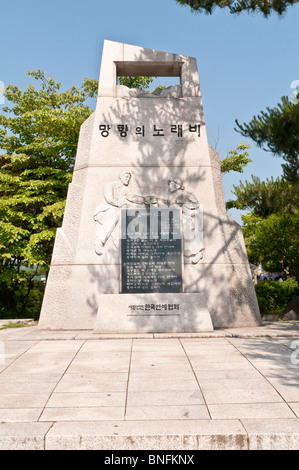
column 151, row 254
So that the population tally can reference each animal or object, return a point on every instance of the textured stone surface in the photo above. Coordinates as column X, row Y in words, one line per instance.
column 233, row 389
column 116, row 316
column 78, row 275
column 158, row 435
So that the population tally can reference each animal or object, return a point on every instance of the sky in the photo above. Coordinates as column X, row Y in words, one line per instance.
column 246, row 63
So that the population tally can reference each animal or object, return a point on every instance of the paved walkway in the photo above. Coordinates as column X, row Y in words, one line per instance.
column 230, row 389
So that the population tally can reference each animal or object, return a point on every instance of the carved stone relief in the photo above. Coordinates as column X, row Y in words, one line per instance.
column 117, row 195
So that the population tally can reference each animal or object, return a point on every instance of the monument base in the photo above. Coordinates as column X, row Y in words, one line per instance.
column 153, row 313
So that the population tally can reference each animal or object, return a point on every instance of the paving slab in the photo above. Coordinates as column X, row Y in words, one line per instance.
column 272, row 434
column 228, row 389
column 23, row 436
column 148, row 435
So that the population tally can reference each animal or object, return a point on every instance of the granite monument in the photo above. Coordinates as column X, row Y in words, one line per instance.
column 146, row 244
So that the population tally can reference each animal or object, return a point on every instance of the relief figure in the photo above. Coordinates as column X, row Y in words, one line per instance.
column 117, row 195
column 193, row 247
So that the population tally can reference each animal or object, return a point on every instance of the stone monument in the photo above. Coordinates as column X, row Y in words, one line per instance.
column 146, row 244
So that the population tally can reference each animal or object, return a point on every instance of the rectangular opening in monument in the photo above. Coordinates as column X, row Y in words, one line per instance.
column 169, row 73
column 149, row 69
column 151, row 252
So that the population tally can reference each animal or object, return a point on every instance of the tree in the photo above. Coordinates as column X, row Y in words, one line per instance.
column 38, row 142
column 266, row 7
column 236, row 160
column 271, row 228
column 277, row 130
column 272, row 196
column 273, row 242
column 136, row 82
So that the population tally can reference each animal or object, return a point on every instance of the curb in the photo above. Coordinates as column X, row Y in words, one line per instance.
column 133, row 436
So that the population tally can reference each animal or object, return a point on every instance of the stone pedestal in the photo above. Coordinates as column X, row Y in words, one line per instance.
column 153, row 313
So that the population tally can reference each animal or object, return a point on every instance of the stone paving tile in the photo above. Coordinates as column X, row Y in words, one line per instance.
column 163, row 398
column 168, row 345
column 23, row 436
column 272, row 434
column 96, row 368
column 107, row 345
column 168, row 412
column 288, row 391
column 148, row 435
column 250, row 410
column 226, row 385
column 202, row 334
column 230, row 384
column 155, row 385
column 291, row 343
column 42, row 362
column 90, row 386
column 227, row 373
column 86, row 358
column 23, row 400
column 239, row 391
column 87, row 399
column 87, row 376
column 194, row 345
column 167, row 359
column 221, row 366
column 92, row 413
column 197, row 360
column 270, row 366
column 14, row 334
column 143, row 364
column 12, row 350
column 19, row 415
column 56, row 346
column 26, row 387
column 161, row 374
column 114, row 336
column 36, row 333
column 295, row 408
column 7, row 377
column 17, row 348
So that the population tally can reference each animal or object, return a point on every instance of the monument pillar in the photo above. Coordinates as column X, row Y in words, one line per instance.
column 146, row 244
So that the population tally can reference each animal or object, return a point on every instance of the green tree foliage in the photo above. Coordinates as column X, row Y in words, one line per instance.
column 277, row 130
column 274, row 242
column 38, row 141
column 136, row 82
column 236, row 160
column 274, row 296
column 271, row 228
column 272, row 196
column 266, row 7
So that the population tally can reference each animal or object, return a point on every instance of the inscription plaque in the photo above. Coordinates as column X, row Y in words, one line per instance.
column 151, row 251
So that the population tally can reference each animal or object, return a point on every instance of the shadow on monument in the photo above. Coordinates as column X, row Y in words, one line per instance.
column 223, row 274
column 156, row 139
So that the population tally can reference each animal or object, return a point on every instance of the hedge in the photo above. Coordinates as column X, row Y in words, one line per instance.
column 273, row 296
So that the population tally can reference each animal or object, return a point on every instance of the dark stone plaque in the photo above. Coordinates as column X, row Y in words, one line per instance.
column 151, row 253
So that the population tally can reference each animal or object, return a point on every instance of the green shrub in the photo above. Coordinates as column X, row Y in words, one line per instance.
column 25, row 305
column 273, row 296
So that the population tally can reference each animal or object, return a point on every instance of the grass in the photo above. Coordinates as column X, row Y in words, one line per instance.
column 15, row 324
